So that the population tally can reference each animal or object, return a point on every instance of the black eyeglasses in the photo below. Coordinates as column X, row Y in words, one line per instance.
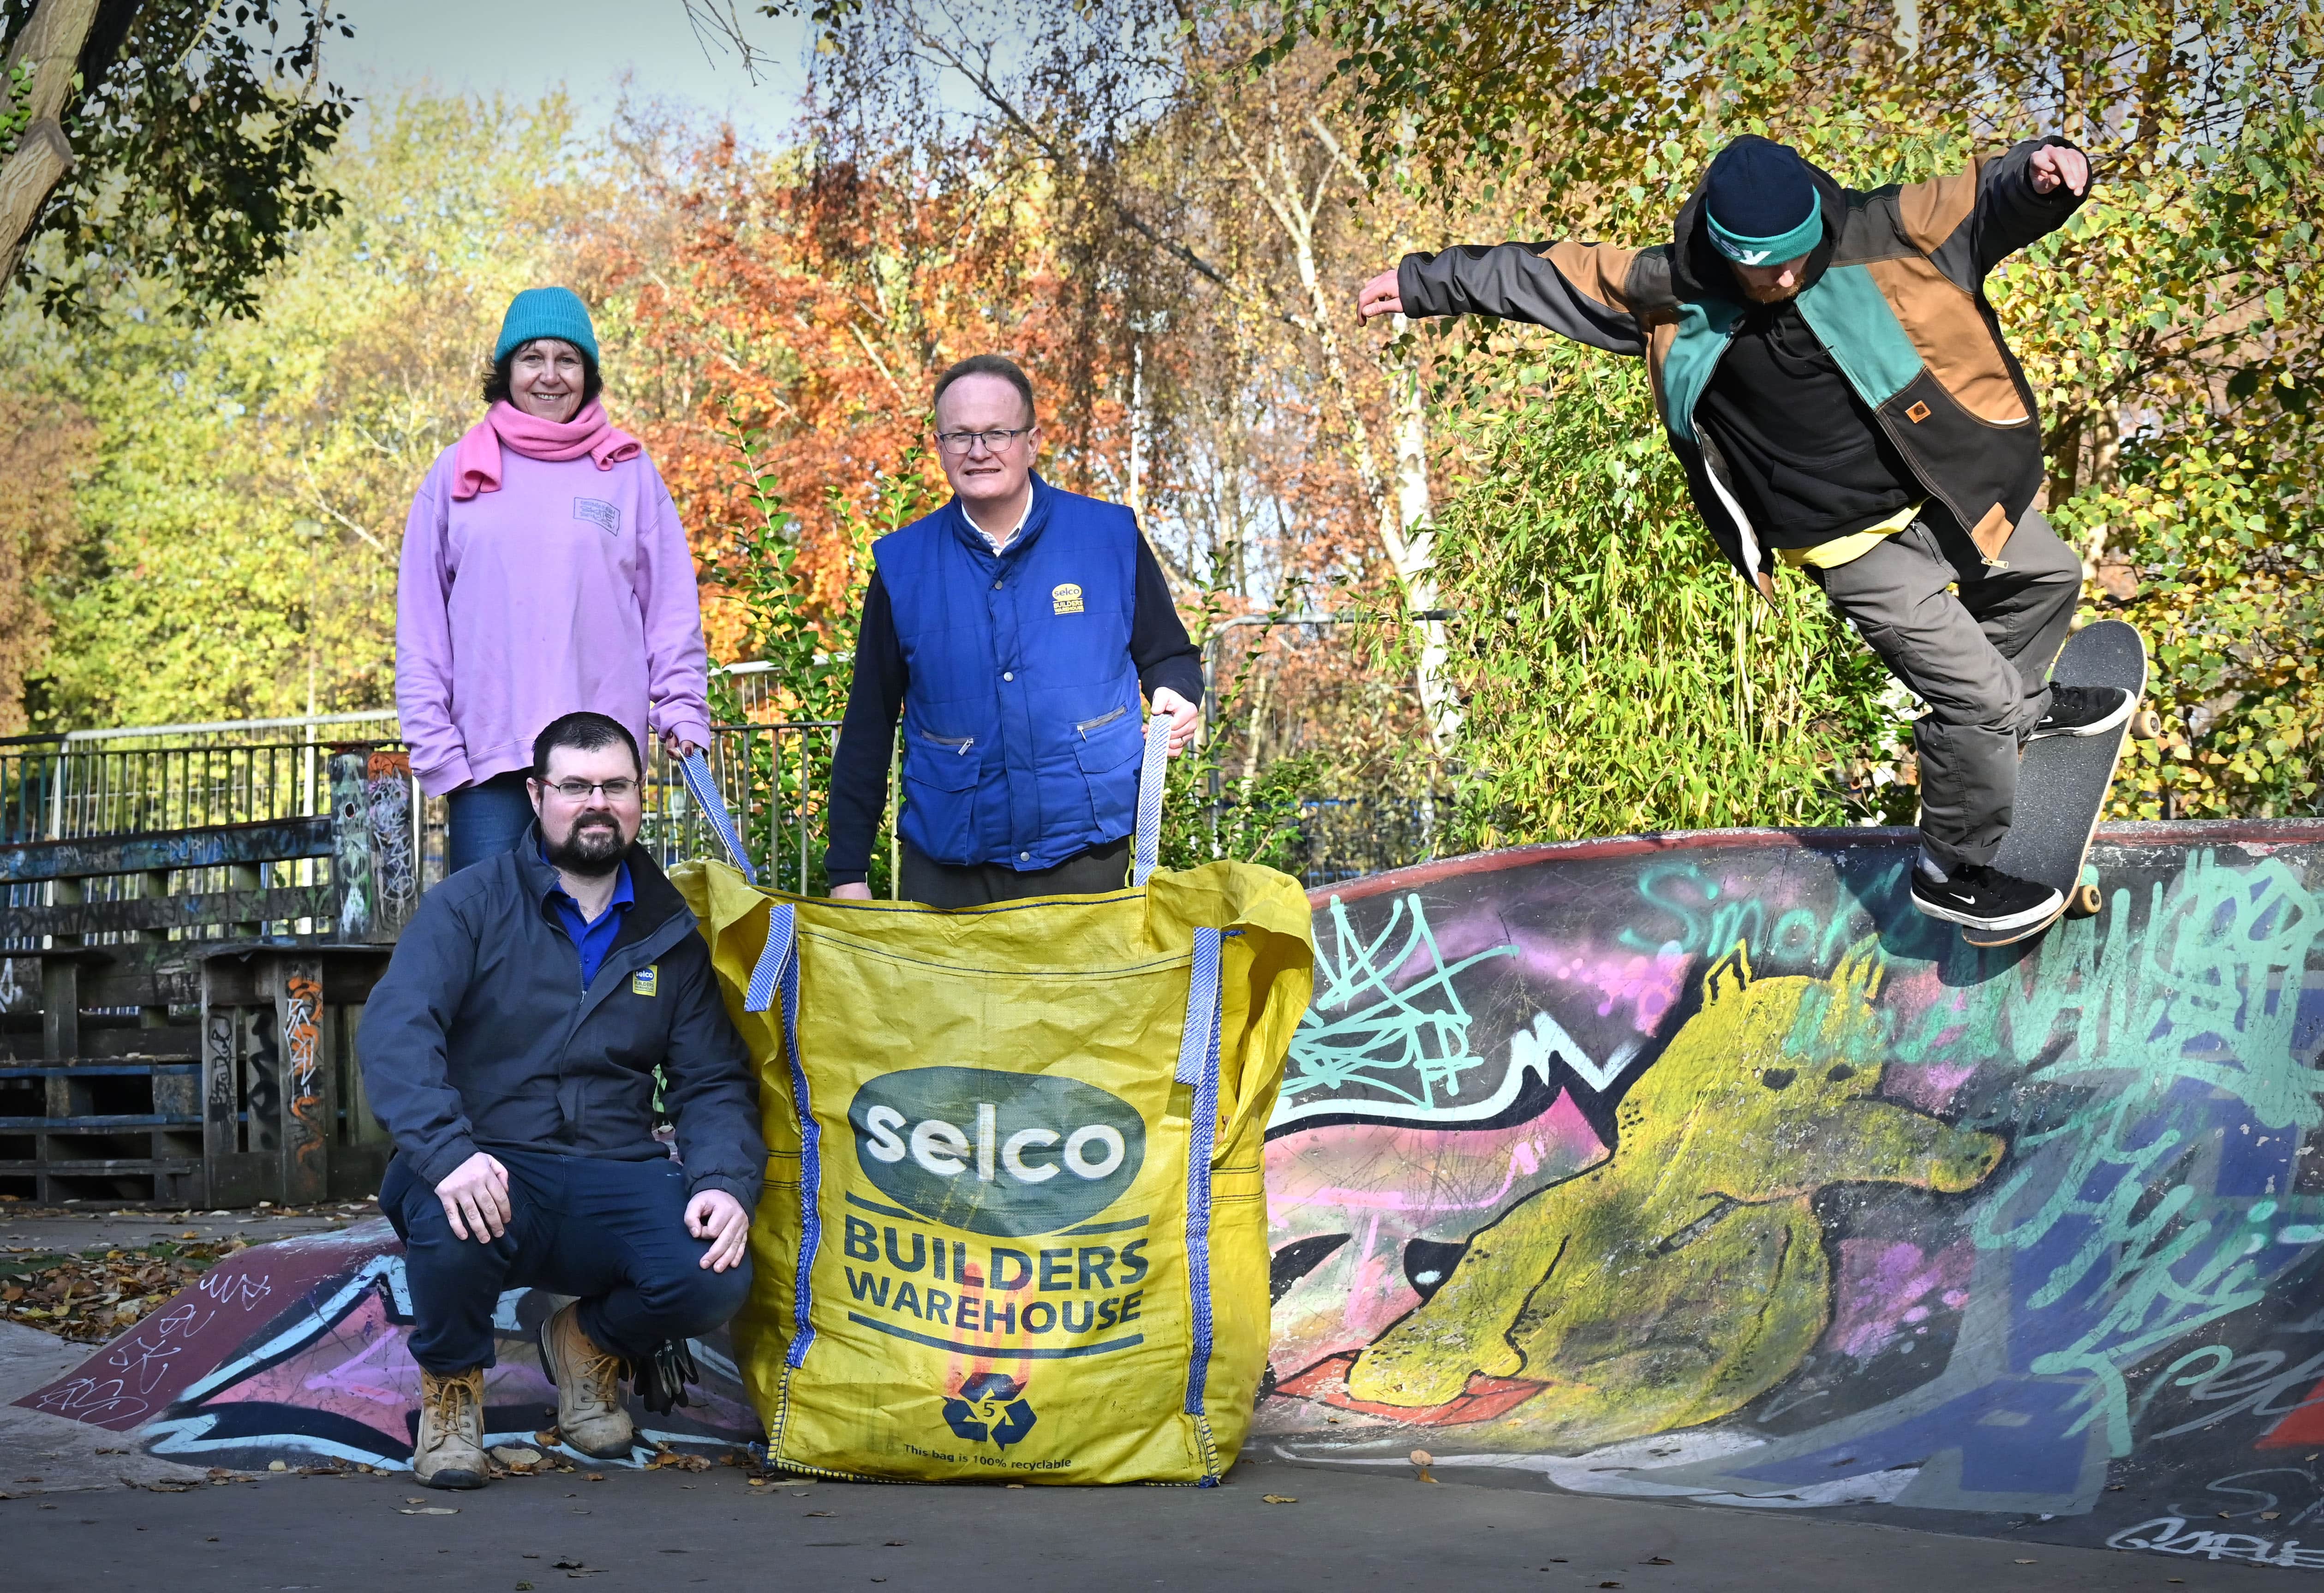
column 615, row 790
column 958, row 443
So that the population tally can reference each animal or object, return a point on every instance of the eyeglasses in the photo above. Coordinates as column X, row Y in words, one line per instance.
column 615, row 790
column 959, row 443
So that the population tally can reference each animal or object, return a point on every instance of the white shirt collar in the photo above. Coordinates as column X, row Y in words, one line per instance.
column 1000, row 543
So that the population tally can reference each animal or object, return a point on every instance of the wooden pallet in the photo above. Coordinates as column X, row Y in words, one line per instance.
column 195, row 1045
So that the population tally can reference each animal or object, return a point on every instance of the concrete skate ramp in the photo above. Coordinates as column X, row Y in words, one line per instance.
column 1705, row 1167
column 1695, row 1167
column 297, row 1352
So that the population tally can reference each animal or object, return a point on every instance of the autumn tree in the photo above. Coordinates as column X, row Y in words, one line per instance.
column 236, row 515
column 1203, row 220
column 172, row 140
column 2172, row 331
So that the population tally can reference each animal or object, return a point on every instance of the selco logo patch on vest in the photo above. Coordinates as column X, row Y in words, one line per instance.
column 1065, row 599
column 995, row 1153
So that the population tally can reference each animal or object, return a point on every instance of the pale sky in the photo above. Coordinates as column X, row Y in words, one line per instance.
column 528, row 47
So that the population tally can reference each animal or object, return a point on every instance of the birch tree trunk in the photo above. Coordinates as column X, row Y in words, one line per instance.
column 1401, row 514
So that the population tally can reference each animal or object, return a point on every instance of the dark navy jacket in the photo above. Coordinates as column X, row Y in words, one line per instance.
column 1021, row 726
column 481, row 1037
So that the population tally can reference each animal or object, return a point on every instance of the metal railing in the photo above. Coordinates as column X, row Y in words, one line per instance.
column 774, row 776
column 152, row 779
column 775, row 779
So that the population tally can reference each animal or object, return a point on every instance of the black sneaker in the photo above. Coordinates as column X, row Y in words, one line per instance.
column 1985, row 898
column 2083, row 711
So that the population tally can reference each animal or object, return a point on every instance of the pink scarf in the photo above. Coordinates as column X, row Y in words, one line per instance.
column 476, row 461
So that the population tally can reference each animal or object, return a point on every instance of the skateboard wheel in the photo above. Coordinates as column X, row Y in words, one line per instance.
column 2085, row 902
column 2146, row 724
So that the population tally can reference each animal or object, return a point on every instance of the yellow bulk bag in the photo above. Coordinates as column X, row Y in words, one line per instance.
column 1014, row 1226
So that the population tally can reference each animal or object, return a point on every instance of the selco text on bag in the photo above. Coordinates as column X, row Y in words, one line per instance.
column 1014, row 1227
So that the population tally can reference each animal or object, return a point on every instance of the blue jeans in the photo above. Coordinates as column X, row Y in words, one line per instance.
column 486, row 819
column 611, row 1233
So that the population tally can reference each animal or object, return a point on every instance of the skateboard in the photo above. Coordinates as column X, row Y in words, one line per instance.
column 2062, row 780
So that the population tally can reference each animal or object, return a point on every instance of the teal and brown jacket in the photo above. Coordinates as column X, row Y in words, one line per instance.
column 1896, row 292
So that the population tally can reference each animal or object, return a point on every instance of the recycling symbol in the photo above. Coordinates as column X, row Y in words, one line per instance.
column 988, row 1406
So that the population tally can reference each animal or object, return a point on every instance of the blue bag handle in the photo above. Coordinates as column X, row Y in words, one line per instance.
column 695, row 768
column 1151, row 776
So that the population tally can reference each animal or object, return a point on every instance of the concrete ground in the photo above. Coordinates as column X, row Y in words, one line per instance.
column 79, row 1510
column 667, row 1531
column 51, row 1230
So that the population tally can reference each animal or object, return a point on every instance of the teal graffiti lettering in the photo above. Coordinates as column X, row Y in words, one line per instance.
column 1693, row 937
column 1408, row 1040
column 2208, row 996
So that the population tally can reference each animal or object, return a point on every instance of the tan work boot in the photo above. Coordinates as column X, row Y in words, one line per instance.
column 449, row 1451
column 589, row 1411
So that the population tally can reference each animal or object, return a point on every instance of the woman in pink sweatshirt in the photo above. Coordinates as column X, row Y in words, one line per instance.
column 544, row 571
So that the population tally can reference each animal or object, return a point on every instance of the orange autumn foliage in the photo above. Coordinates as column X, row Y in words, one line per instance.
column 819, row 303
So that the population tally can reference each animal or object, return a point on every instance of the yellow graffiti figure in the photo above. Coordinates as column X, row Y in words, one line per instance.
column 1683, row 1276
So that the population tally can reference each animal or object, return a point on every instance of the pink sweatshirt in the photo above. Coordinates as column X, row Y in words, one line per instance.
column 571, row 588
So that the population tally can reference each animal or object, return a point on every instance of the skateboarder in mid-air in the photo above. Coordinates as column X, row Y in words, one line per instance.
column 1833, row 381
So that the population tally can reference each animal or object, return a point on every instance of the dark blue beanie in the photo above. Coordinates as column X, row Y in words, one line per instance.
column 1761, row 202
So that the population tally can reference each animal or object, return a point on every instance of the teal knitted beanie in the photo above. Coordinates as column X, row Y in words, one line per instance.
column 547, row 312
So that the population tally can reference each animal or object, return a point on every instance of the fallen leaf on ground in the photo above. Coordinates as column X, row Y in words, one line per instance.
column 426, row 1510
column 815, row 1512
column 102, row 1292
column 2028, row 1562
column 1658, row 1560
column 1277, row 1500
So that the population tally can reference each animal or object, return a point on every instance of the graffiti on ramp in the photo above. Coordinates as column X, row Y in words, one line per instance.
column 296, row 1351
column 1705, row 1168
column 1612, row 1289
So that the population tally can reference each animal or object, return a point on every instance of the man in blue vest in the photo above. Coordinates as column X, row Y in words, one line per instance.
column 1836, row 386
column 1012, row 630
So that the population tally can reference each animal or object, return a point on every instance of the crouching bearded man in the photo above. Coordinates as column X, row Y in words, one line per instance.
column 510, row 1051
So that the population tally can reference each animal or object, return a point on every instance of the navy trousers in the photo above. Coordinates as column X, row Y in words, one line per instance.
column 484, row 820
column 611, row 1233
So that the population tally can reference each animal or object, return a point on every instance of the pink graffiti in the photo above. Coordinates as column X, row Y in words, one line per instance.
column 1649, row 985
column 1929, row 1086
column 1884, row 1292
column 1356, row 1180
column 363, row 1369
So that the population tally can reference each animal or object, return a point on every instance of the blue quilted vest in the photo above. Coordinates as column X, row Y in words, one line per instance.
column 1022, row 722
